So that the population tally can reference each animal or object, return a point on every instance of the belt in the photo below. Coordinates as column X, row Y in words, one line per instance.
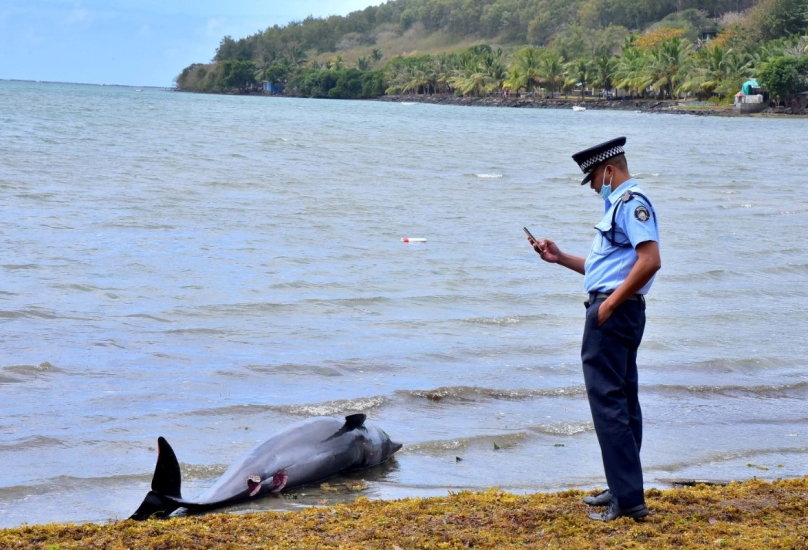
column 595, row 296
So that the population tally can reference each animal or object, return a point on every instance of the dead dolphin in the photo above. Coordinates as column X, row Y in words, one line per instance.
column 303, row 453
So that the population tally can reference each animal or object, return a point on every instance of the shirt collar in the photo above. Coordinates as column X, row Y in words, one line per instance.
column 620, row 191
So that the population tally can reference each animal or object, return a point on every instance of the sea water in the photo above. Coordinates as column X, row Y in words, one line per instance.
column 212, row 269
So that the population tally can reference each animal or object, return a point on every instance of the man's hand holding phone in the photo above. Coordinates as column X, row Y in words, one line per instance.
column 532, row 240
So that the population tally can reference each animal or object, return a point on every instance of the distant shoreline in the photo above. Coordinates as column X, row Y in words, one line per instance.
column 666, row 106
column 639, row 105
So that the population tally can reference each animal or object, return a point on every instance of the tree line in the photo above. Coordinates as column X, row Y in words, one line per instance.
column 668, row 59
column 533, row 22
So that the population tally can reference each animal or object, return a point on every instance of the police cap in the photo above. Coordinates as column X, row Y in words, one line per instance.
column 589, row 159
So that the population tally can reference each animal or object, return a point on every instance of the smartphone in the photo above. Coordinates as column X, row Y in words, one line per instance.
column 529, row 235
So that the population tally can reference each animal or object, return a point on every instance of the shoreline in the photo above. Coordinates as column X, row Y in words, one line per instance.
column 595, row 104
column 753, row 515
column 659, row 106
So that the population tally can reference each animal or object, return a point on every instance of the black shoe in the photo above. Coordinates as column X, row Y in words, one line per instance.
column 601, row 499
column 614, row 511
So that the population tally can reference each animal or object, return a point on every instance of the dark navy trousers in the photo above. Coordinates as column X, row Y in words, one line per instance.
column 609, row 356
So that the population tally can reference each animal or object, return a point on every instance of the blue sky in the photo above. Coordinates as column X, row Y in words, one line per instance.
column 134, row 42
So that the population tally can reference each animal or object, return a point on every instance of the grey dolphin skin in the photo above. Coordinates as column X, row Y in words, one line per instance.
column 303, row 453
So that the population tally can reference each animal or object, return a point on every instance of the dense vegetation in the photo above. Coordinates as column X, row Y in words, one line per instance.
column 646, row 48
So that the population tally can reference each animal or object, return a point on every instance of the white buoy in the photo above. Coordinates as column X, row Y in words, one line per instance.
column 413, row 240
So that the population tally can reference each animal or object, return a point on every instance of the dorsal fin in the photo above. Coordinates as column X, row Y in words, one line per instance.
column 353, row 421
column 167, row 478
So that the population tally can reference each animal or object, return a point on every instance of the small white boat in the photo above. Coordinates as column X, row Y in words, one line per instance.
column 578, row 108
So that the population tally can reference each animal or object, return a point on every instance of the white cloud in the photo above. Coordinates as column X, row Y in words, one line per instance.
column 77, row 16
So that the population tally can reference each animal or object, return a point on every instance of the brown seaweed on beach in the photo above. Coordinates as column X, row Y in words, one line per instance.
column 753, row 515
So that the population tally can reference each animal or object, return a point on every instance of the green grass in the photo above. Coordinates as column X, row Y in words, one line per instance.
column 414, row 42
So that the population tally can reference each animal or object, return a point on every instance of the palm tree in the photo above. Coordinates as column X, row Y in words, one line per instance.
column 475, row 83
column 667, row 61
column 524, row 71
column 336, row 63
column 480, row 50
column 394, row 76
column 631, row 73
column 363, row 64
column 444, row 67
column 496, row 73
column 551, row 69
column 579, row 72
column 702, row 71
column 516, row 80
column 417, row 79
column 603, row 72
column 268, row 58
column 412, row 75
column 715, row 70
column 376, row 54
column 735, row 70
column 296, row 55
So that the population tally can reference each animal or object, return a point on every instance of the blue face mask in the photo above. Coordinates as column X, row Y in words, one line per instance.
column 606, row 190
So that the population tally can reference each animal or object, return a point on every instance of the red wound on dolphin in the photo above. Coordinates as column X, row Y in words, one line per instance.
column 254, row 485
column 279, row 480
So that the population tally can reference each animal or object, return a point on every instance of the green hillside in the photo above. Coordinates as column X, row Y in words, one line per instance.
column 660, row 48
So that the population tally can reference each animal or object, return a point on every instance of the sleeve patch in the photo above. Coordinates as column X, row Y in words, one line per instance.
column 642, row 214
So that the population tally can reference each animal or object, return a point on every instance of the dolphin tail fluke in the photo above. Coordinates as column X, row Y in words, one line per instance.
column 167, row 478
column 165, row 495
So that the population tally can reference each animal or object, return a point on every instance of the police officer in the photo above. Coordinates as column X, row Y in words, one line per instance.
column 618, row 273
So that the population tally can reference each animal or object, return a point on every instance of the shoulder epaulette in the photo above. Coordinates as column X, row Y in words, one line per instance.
column 627, row 196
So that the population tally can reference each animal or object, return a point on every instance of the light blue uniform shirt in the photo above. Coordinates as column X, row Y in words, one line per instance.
column 608, row 265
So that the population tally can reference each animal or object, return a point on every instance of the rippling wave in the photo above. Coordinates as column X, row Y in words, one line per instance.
column 27, row 372
column 329, row 408
column 493, row 442
column 193, row 264
column 797, row 390
column 32, row 443
column 467, row 393
column 311, row 370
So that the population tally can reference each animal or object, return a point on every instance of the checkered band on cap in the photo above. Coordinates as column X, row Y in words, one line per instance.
column 597, row 159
